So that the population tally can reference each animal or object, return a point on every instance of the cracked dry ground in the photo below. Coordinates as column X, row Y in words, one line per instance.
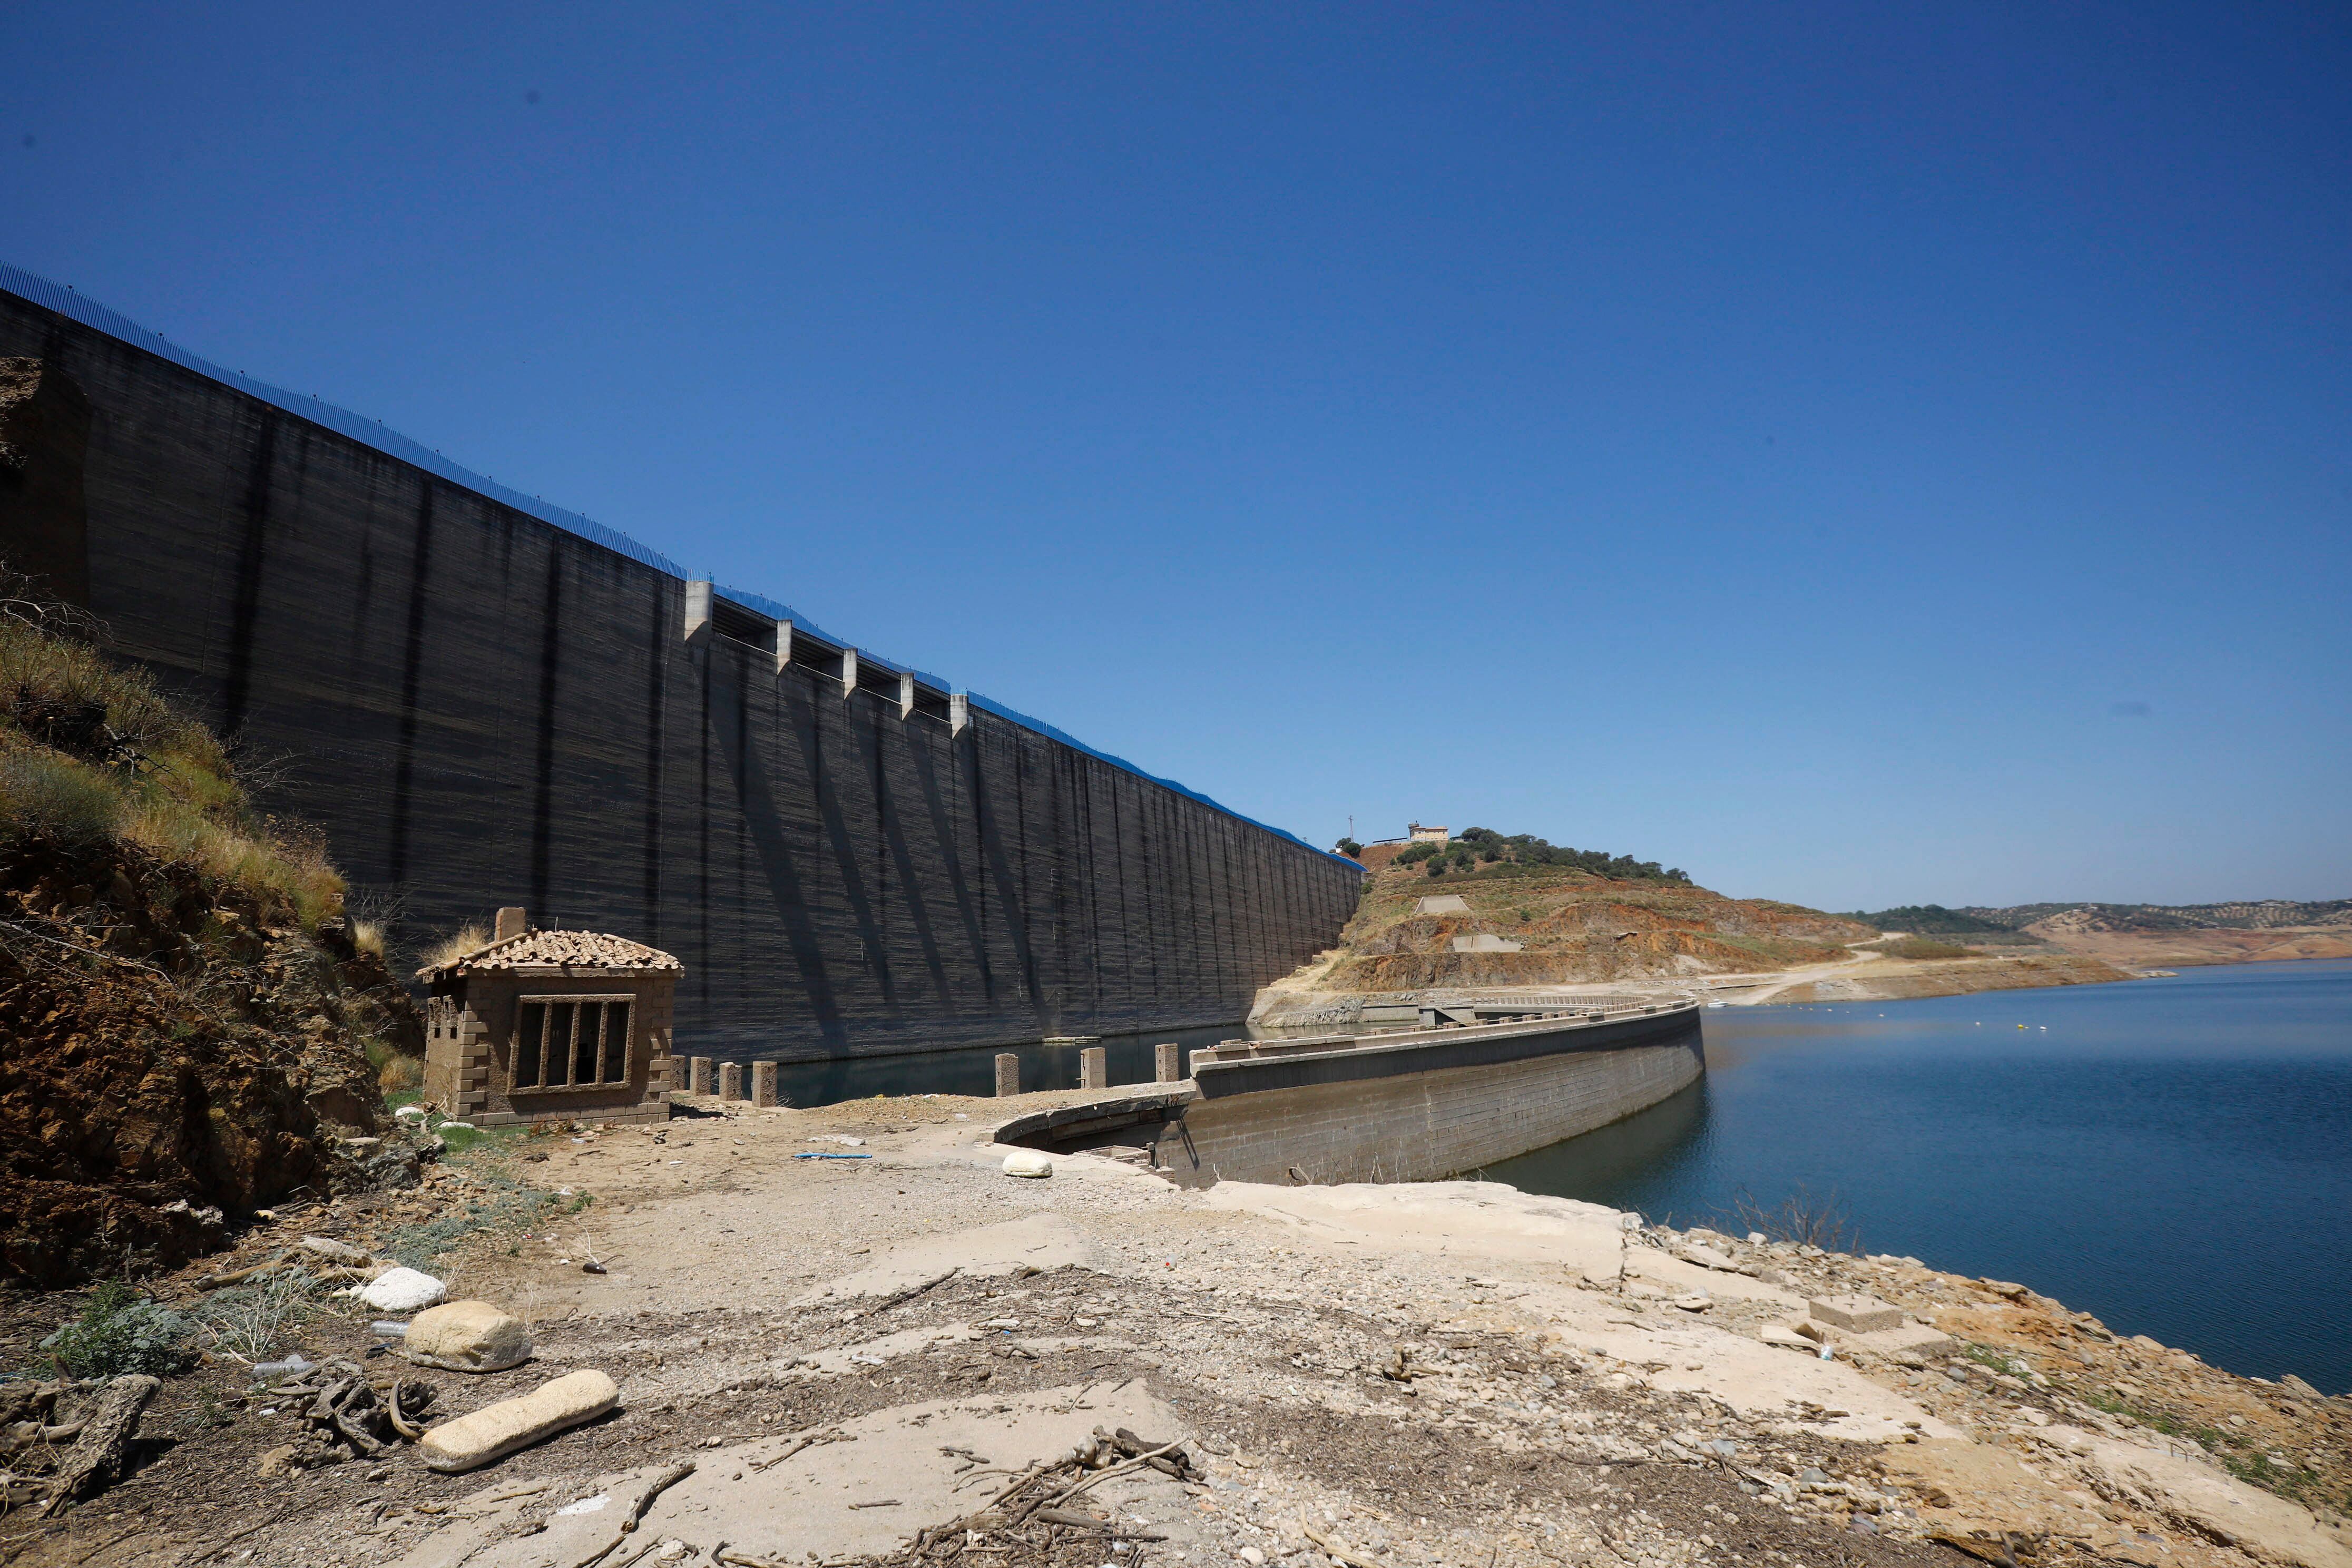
column 1551, row 1410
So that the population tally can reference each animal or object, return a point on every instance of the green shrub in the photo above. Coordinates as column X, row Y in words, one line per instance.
column 1525, row 849
column 121, row 1331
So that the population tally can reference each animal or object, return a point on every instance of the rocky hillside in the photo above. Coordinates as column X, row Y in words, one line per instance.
column 1432, row 924
column 1518, row 924
column 190, row 1027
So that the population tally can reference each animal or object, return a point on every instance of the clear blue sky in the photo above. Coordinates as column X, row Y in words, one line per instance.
column 1861, row 454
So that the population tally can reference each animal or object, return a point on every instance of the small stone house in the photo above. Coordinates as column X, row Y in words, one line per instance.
column 549, row 1026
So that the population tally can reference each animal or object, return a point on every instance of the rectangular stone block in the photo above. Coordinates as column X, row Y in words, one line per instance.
column 1168, row 1062
column 731, row 1080
column 1094, row 1068
column 1008, row 1073
column 700, row 1068
column 1858, row 1314
column 764, row 1085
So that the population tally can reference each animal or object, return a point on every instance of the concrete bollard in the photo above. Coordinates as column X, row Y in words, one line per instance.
column 1094, row 1068
column 1168, row 1062
column 1008, row 1073
column 764, row 1085
column 698, row 1075
column 731, row 1080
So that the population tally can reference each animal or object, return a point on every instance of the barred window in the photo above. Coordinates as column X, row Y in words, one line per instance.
column 571, row 1042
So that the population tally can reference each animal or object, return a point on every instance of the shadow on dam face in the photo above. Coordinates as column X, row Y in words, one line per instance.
column 1596, row 1165
column 973, row 1072
column 482, row 700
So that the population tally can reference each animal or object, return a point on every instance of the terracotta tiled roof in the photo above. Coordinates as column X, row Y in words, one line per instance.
column 552, row 949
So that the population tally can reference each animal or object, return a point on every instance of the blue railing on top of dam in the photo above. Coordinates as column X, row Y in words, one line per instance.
column 375, row 434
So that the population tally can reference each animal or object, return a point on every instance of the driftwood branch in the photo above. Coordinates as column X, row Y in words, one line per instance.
column 400, row 1424
column 659, row 1484
column 809, row 1439
column 905, row 1296
column 1099, row 1476
column 637, row 1506
column 1339, row 1553
column 101, row 1454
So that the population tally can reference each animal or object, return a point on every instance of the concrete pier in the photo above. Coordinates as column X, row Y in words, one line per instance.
column 1008, row 1073
column 1168, row 1062
column 698, row 1070
column 731, row 1080
column 764, row 1085
column 1094, row 1068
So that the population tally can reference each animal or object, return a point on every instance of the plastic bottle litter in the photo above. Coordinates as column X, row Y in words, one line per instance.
column 290, row 1366
column 388, row 1329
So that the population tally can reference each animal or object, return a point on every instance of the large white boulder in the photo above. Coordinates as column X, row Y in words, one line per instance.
column 401, row 1290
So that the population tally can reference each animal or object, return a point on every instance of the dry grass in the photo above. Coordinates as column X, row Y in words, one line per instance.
column 396, row 1070
column 456, row 945
column 252, row 1322
column 91, row 753
column 1801, row 1218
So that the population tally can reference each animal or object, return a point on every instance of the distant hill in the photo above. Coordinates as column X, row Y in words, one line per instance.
column 1929, row 919
column 2265, row 914
column 2141, row 935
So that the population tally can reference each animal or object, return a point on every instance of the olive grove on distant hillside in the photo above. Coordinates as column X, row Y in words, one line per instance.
column 1484, row 846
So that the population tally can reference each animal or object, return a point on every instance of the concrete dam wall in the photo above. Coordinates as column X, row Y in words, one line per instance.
column 481, row 706
column 1409, row 1105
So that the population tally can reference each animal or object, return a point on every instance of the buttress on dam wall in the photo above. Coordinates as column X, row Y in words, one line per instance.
column 481, row 706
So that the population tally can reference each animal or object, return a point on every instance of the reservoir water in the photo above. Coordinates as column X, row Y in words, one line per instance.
column 2174, row 1155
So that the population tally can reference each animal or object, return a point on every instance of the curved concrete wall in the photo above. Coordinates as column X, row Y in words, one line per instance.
column 1418, row 1110
column 1439, row 1124
column 1412, row 1106
column 480, row 707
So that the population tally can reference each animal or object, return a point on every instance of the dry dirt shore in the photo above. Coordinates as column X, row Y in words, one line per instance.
column 1299, row 1000
column 1450, row 1373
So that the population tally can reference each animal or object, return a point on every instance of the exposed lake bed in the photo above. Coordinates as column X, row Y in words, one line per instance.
column 2174, row 1155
